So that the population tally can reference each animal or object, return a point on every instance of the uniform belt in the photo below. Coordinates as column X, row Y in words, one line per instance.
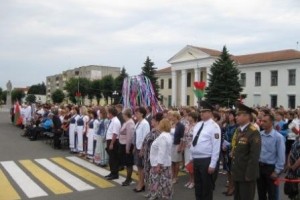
column 202, row 158
column 261, row 164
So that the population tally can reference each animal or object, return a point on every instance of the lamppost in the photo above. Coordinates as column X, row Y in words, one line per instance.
column 77, row 75
column 197, row 74
column 115, row 94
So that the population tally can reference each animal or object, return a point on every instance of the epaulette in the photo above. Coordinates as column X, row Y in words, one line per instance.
column 253, row 128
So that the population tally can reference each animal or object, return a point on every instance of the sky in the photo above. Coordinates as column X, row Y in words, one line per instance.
column 42, row 38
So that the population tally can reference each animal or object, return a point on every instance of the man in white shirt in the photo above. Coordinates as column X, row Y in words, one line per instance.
column 205, row 152
column 112, row 141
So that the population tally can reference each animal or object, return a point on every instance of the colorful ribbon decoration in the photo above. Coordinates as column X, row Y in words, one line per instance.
column 138, row 91
column 277, row 181
column 200, row 89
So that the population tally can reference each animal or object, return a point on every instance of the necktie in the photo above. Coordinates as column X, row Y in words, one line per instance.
column 195, row 141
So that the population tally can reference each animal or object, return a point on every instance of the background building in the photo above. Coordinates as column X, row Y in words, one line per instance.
column 90, row 72
column 268, row 78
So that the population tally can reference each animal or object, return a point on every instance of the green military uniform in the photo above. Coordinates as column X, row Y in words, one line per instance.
column 245, row 159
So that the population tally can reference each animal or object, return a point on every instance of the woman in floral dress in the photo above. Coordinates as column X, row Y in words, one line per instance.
column 150, row 137
column 188, row 139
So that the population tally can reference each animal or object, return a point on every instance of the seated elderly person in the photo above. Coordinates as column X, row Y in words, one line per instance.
column 45, row 126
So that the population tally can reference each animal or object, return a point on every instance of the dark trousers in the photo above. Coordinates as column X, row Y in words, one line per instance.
column 244, row 190
column 56, row 139
column 113, row 154
column 265, row 185
column 203, row 180
column 36, row 131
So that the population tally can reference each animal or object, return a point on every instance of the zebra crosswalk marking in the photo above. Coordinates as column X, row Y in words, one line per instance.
column 100, row 182
column 94, row 168
column 29, row 187
column 7, row 191
column 67, row 177
column 49, row 181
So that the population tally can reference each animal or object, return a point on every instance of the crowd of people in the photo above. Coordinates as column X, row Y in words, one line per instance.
column 254, row 145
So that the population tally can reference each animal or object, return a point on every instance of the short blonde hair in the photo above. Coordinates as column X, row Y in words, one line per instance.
column 84, row 110
column 164, row 125
column 175, row 114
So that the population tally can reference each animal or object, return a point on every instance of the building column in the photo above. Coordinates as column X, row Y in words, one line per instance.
column 197, row 75
column 207, row 76
column 174, row 88
column 183, row 87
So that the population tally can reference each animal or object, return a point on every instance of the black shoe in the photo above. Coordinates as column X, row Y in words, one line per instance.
column 127, row 182
column 109, row 175
column 138, row 191
column 113, row 177
column 103, row 166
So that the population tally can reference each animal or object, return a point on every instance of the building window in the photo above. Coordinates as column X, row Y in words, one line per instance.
column 292, row 101
column 189, row 79
column 273, row 101
column 162, row 99
column 57, row 78
column 257, row 78
column 243, row 79
column 57, row 84
column 292, row 77
column 201, row 76
column 274, row 78
column 162, row 83
column 188, row 100
column 169, row 100
column 170, row 83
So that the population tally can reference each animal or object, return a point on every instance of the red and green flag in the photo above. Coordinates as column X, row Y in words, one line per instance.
column 18, row 119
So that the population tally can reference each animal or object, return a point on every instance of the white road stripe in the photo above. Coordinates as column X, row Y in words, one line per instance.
column 70, row 179
column 30, row 188
column 94, row 168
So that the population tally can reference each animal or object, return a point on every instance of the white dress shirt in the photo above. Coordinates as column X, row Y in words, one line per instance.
column 113, row 128
column 160, row 152
column 141, row 130
column 209, row 142
column 291, row 135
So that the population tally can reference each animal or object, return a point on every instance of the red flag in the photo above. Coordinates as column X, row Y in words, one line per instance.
column 18, row 119
column 199, row 85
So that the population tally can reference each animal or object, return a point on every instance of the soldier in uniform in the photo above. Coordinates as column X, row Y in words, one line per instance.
column 205, row 152
column 245, row 155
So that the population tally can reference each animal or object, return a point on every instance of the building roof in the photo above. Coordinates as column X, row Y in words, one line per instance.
column 164, row 70
column 272, row 56
column 23, row 89
column 211, row 52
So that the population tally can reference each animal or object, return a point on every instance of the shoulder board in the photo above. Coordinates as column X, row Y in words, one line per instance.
column 252, row 128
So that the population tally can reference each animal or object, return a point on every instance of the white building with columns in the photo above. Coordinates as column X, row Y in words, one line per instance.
column 269, row 78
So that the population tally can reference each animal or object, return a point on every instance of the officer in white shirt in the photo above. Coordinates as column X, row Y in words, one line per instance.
column 112, row 141
column 205, row 152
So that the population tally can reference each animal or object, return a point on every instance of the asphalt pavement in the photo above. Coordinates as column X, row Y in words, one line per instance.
column 33, row 169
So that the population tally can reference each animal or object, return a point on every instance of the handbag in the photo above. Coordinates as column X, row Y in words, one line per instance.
column 291, row 188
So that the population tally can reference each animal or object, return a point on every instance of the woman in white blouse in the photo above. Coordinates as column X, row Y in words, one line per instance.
column 81, row 130
column 160, row 179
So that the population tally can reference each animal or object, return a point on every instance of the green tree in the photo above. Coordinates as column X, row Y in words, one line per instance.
column 97, row 88
column 3, row 96
column 224, row 87
column 58, row 96
column 72, row 87
column 150, row 71
column 31, row 98
column 38, row 89
column 119, row 85
column 108, row 86
column 17, row 95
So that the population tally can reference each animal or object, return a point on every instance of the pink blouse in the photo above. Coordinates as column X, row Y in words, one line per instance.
column 126, row 133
